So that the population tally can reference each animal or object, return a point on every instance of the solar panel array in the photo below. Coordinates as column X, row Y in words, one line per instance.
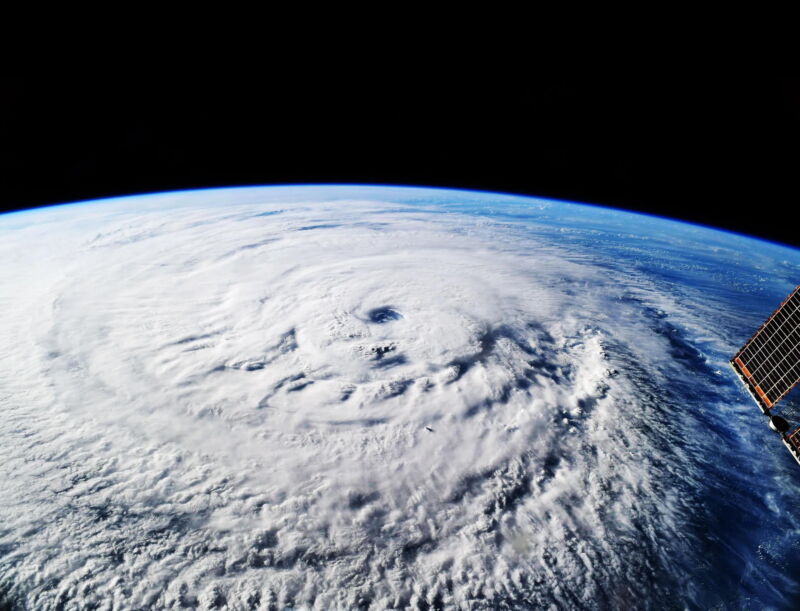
column 769, row 363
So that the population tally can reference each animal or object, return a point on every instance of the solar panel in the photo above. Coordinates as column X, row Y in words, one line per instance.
column 769, row 363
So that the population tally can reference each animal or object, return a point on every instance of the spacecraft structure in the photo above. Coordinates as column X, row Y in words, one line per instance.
column 769, row 366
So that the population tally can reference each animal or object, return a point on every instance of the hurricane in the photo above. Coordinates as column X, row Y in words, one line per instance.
column 352, row 397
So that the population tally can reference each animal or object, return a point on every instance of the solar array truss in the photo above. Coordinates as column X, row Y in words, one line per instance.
column 769, row 363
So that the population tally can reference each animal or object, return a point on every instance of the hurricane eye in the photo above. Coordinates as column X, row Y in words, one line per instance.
column 383, row 315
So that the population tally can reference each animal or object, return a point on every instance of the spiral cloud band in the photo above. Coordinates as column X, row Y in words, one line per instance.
column 352, row 397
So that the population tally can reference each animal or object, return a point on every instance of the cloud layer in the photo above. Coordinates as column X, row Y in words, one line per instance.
column 349, row 398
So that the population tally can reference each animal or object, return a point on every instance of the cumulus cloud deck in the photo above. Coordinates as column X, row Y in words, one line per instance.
column 365, row 398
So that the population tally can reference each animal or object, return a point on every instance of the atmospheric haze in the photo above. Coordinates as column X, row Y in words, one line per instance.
column 361, row 397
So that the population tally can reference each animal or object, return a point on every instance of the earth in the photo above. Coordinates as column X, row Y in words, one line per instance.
column 370, row 397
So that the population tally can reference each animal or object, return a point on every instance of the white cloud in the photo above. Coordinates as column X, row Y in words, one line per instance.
column 199, row 410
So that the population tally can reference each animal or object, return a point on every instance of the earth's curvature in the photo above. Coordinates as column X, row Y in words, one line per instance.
column 366, row 397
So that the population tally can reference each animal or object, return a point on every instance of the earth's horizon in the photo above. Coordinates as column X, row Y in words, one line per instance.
column 353, row 396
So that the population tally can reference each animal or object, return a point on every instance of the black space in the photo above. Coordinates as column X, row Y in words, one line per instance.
column 718, row 151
